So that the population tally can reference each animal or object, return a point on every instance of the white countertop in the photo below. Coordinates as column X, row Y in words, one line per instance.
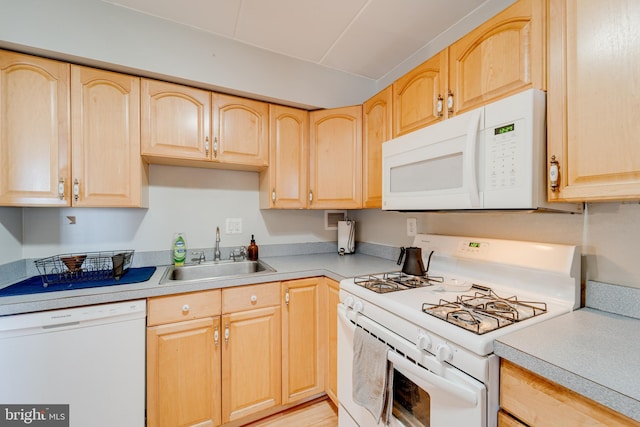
column 590, row 351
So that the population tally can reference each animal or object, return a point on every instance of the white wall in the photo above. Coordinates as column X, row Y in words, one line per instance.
column 608, row 233
column 100, row 34
column 189, row 200
column 10, row 234
column 96, row 33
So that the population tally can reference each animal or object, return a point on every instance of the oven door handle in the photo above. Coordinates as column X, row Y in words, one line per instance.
column 424, row 378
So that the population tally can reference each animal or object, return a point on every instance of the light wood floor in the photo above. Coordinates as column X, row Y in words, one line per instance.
column 318, row 413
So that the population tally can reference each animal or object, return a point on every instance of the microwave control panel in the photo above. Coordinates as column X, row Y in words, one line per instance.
column 504, row 155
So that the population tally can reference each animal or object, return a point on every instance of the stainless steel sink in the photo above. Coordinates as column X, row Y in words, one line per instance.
column 214, row 270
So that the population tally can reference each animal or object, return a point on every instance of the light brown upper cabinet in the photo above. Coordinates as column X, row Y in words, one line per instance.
column 241, row 131
column 107, row 169
column 335, row 159
column 376, row 129
column 175, row 121
column 193, row 127
column 503, row 56
column 592, row 99
column 35, row 152
column 418, row 96
column 284, row 185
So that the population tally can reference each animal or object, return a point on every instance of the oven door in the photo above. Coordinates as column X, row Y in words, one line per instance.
column 426, row 393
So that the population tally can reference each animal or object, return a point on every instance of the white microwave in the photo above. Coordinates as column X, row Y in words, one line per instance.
column 493, row 157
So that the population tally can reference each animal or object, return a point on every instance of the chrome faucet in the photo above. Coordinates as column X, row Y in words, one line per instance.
column 216, row 250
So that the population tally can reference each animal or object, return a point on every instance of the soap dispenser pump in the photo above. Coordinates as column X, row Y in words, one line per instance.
column 252, row 250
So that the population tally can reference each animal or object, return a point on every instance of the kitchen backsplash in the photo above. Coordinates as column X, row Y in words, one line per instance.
column 194, row 201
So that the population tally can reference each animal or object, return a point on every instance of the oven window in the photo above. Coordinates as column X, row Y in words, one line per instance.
column 411, row 404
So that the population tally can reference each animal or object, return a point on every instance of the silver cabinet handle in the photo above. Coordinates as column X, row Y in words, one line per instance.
column 286, row 297
column 554, row 174
column 450, row 102
column 273, row 195
column 439, row 106
column 76, row 190
column 310, row 196
column 216, row 336
column 226, row 333
column 61, row 188
column 215, row 146
column 206, row 146
column 186, row 308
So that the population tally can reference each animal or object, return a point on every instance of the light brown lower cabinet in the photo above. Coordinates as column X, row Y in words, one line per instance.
column 302, row 343
column 527, row 399
column 251, row 350
column 183, row 360
column 331, row 372
column 217, row 357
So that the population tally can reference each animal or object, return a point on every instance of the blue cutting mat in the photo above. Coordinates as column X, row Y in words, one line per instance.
column 33, row 285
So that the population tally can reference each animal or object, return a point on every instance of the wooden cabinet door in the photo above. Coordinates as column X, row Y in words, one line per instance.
column 376, row 129
column 183, row 374
column 241, row 129
column 418, row 96
column 175, row 121
column 284, row 185
column 333, row 299
column 335, row 158
column 592, row 105
column 251, row 362
column 107, row 168
column 34, row 131
column 302, row 348
column 503, row 56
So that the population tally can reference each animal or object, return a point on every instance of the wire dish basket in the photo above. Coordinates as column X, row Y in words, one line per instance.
column 89, row 266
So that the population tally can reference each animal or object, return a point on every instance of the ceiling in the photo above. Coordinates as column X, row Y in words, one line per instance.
column 367, row 38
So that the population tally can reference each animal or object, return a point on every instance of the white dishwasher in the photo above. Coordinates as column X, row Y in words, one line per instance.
column 91, row 358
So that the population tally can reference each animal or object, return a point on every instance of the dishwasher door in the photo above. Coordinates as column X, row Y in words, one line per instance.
column 91, row 358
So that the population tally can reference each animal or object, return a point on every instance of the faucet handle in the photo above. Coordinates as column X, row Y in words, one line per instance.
column 200, row 257
column 240, row 253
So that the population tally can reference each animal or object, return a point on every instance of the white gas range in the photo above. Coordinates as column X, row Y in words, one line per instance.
column 440, row 331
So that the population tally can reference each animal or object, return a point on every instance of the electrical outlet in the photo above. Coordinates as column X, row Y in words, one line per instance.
column 233, row 225
column 411, row 227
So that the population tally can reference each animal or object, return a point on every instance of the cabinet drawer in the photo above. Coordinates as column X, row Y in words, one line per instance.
column 176, row 308
column 537, row 401
column 250, row 297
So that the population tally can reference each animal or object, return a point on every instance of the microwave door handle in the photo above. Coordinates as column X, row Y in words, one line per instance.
column 470, row 164
column 421, row 376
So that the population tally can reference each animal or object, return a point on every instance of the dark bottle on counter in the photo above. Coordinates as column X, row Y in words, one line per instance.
column 252, row 250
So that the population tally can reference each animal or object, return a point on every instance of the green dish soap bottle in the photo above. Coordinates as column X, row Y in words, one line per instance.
column 179, row 250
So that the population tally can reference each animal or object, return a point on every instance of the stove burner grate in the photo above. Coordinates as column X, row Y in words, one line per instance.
column 484, row 311
column 394, row 281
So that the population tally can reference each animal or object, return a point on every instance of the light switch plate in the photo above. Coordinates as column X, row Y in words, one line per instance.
column 411, row 227
column 233, row 225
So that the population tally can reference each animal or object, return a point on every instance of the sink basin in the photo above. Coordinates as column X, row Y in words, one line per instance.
column 214, row 270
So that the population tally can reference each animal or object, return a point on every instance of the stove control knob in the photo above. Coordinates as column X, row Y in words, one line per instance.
column 348, row 301
column 423, row 342
column 443, row 352
column 357, row 306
